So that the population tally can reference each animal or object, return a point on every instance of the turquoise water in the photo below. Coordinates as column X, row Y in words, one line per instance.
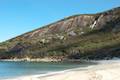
column 17, row 69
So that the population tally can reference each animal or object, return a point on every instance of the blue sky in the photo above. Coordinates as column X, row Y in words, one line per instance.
column 20, row 16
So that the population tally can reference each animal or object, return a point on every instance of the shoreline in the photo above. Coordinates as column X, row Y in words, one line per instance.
column 46, row 60
column 102, row 71
column 39, row 76
column 59, row 60
column 32, row 60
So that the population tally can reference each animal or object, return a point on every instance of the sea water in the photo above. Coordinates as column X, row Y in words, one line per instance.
column 9, row 69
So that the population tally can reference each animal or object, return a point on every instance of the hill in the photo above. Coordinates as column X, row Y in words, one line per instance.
column 85, row 36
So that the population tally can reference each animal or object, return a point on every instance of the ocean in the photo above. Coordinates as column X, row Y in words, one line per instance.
column 9, row 69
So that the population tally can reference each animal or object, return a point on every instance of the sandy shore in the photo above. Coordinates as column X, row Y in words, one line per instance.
column 102, row 71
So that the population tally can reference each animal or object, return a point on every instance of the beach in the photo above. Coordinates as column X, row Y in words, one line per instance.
column 109, row 70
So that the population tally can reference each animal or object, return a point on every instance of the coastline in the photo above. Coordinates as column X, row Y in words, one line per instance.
column 40, row 76
column 32, row 60
column 46, row 60
column 102, row 71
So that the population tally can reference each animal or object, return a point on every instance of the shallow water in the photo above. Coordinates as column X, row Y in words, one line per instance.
column 10, row 69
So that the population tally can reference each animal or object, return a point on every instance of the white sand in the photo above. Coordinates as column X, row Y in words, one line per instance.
column 104, row 71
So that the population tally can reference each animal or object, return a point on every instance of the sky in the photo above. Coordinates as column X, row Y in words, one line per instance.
column 20, row 16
